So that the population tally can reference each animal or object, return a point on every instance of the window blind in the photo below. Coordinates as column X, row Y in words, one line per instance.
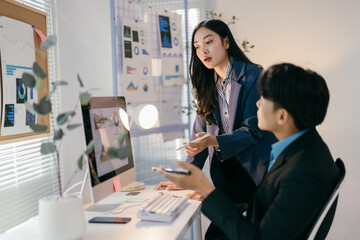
column 25, row 174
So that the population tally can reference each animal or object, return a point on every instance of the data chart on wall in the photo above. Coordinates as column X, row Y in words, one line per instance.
column 171, row 49
column 138, row 83
column 17, row 58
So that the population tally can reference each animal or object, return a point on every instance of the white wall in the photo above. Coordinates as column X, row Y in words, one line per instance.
column 84, row 41
column 323, row 35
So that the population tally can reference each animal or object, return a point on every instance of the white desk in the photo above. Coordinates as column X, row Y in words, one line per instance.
column 134, row 230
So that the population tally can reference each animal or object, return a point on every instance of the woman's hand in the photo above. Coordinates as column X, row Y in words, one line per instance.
column 196, row 147
column 168, row 186
column 196, row 180
column 196, row 196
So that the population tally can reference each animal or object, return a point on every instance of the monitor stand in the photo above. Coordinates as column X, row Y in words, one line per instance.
column 89, row 204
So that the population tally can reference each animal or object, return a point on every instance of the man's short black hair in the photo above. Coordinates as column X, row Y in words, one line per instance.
column 303, row 93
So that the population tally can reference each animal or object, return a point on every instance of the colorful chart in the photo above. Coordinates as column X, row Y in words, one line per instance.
column 30, row 118
column 176, row 41
column 171, row 51
column 136, row 63
column 165, row 33
column 131, row 87
column 21, row 93
column 9, row 115
column 136, row 50
column 130, row 70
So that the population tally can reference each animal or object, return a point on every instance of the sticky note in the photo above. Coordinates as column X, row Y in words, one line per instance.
column 117, row 185
column 41, row 35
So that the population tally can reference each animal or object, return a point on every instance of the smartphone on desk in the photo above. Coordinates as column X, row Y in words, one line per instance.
column 177, row 171
column 120, row 220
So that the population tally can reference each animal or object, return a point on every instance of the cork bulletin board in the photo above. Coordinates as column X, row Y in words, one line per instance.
column 14, row 17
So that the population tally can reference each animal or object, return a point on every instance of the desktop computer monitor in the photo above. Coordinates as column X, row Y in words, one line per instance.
column 101, row 120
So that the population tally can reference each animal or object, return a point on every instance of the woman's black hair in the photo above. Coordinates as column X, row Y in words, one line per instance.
column 202, row 78
column 303, row 93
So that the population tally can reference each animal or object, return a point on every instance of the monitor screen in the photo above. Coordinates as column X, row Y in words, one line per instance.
column 101, row 120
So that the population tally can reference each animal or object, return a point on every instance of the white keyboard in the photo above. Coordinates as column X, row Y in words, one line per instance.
column 163, row 207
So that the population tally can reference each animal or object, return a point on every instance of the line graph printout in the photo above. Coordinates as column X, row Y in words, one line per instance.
column 17, row 53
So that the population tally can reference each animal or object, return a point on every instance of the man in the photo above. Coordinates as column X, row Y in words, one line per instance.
column 302, row 172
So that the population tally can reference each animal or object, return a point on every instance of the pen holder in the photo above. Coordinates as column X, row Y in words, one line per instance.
column 61, row 217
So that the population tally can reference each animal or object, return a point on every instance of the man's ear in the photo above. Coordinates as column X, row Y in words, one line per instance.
column 282, row 116
column 226, row 43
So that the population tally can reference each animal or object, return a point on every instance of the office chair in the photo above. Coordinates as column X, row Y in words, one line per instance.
column 323, row 222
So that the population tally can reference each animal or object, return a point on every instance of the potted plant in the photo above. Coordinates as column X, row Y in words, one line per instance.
column 62, row 216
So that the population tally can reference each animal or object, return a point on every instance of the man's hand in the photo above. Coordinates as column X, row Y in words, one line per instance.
column 168, row 186
column 196, row 196
column 196, row 180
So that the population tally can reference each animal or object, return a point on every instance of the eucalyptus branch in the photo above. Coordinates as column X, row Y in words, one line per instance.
column 70, row 179
column 245, row 44
column 63, row 120
column 58, row 171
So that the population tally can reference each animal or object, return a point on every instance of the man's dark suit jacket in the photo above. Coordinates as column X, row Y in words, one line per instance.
column 289, row 198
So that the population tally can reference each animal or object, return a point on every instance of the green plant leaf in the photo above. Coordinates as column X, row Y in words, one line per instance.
column 47, row 148
column 112, row 152
column 38, row 70
column 44, row 107
column 90, row 147
column 85, row 98
column 56, row 84
column 39, row 86
column 121, row 137
column 30, row 107
column 80, row 82
column 49, row 42
column 121, row 153
column 58, row 134
column 63, row 117
column 73, row 126
column 80, row 162
column 38, row 127
column 29, row 80
column 124, row 152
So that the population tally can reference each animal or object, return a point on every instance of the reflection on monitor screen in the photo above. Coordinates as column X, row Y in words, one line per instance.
column 101, row 119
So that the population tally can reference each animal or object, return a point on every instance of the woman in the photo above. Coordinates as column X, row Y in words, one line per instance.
column 225, row 86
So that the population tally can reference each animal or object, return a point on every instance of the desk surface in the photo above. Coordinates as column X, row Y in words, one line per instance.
column 135, row 229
